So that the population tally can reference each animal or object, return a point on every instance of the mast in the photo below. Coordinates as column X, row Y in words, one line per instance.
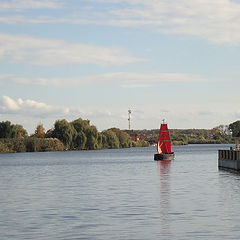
column 129, row 119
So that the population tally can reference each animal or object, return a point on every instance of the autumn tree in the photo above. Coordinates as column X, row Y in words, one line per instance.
column 40, row 131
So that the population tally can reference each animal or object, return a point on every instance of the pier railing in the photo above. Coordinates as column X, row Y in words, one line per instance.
column 229, row 159
column 229, row 154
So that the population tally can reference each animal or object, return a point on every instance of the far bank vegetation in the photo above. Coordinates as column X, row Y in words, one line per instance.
column 76, row 135
column 218, row 135
column 81, row 135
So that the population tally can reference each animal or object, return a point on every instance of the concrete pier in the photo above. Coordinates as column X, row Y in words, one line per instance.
column 229, row 159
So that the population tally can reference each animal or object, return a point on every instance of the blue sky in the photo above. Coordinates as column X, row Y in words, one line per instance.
column 95, row 59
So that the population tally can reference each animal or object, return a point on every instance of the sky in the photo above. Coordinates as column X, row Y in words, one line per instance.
column 94, row 59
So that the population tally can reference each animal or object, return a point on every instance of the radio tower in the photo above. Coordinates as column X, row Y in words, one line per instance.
column 129, row 119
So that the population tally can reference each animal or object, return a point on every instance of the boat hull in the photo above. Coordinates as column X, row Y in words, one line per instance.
column 164, row 156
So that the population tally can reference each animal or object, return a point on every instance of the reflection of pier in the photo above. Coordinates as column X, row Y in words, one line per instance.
column 164, row 190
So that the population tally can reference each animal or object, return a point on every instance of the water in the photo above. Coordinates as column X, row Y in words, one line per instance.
column 118, row 194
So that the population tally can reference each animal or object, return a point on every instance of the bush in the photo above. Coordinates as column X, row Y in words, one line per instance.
column 140, row 143
column 30, row 144
column 3, row 148
column 14, row 144
column 43, row 144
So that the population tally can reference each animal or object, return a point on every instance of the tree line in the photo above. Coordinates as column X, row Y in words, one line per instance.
column 76, row 135
column 217, row 135
column 81, row 135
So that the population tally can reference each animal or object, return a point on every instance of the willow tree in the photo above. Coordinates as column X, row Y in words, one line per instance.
column 124, row 138
column 92, row 138
column 65, row 132
column 110, row 139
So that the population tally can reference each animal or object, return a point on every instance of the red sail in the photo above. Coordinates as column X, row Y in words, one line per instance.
column 164, row 142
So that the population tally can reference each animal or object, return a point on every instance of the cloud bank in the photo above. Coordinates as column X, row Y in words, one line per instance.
column 40, row 110
column 17, row 5
column 216, row 21
column 49, row 52
column 123, row 79
column 30, row 108
column 29, row 112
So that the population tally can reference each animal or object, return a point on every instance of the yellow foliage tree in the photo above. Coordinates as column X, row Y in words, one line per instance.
column 40, row 131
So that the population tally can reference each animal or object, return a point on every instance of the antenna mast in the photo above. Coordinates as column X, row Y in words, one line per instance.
column 129, row 119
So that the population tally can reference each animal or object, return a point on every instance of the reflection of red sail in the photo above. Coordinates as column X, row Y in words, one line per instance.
column 164, row 142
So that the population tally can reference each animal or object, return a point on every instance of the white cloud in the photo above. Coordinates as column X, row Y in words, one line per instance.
column 16, row 5
column 29, row 107
column 216, row 21
column 123, row 79
column 18, row 19
column 9, row 104
column 29, row 112
column 32, row 108
column 38, row 51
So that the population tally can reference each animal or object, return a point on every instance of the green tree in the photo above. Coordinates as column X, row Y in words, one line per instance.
column 81, row 125
column 110, row 139
column 49, row 133
column 65, row 132
column 235, row 128
column 99, row 140
column 19, row 131
column 124, row 138
column 7, row 130
column 92, row 138
column 80, row 140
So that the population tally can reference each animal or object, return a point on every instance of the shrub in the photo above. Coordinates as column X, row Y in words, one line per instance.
column 3, row 148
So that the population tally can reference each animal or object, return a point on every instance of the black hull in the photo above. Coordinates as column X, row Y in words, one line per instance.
column 164, row 156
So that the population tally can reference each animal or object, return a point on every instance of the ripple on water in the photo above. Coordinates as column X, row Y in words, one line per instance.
column 118, row 194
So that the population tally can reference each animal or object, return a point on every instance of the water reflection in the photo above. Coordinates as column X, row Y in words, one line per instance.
column 164, row 168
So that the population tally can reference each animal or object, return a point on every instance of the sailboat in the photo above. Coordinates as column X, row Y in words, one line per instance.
column 164, row 144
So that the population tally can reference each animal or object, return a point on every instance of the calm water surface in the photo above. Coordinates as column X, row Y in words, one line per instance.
column 118, row 194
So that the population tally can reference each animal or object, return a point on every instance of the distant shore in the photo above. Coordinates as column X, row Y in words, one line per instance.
column 81, row 135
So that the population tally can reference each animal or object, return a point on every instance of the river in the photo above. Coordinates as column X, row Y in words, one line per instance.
column 118, row 194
